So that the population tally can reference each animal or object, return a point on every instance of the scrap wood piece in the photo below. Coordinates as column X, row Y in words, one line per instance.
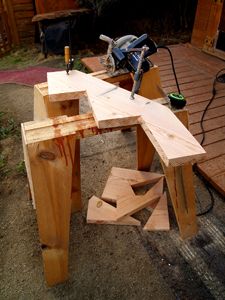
column 158, row 188
column 134, row 177
column 121, row 181
column 100, row 212
column 130, row 205
column 159, row 219
column 117, row 188
column 112, row 107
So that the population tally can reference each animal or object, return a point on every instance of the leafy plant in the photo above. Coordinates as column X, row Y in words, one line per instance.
column 3, row 166
column 7, row 126
column 21, row 168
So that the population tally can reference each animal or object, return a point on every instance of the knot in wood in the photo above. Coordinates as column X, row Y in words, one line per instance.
column 47, row 155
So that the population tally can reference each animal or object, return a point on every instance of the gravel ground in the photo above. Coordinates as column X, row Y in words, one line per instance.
column 106, row 262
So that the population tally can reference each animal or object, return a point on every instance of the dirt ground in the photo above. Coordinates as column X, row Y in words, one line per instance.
column 106, row 262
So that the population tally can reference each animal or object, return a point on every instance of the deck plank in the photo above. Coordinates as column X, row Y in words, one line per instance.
column 196, row 71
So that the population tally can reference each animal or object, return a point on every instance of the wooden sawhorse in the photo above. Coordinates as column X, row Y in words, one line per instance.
column 52, row 157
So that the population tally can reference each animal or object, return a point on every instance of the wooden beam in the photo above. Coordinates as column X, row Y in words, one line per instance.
column 51, row 167
column 43, row 109
column 145, row 150
column 150, row 85
column 181, row 188
column 81, row 126
column 112, row 107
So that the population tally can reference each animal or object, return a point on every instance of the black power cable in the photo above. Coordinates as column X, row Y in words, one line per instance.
column 220, row 78
column 172, row 64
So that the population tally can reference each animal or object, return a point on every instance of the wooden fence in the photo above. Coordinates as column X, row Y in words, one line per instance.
column 5, row 36
column 16, row 25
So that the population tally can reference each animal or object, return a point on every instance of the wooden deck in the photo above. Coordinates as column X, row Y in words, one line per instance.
column 196, row 72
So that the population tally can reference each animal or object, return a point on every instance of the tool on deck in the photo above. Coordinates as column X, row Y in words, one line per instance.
column 129, row 53
column 69, row 61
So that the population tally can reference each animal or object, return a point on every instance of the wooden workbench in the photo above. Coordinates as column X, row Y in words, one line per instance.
column 51, row 148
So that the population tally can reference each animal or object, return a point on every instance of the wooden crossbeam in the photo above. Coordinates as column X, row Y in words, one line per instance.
column 80, row 126
column 112, row 107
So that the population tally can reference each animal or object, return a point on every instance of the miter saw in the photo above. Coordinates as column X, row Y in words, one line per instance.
column 129, row 53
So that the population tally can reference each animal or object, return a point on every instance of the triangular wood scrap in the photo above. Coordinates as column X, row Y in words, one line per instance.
column 134, row 177
column 130, row 205
column 121, row 181
column 116, row 188
column 159, row 219
column 158, row 189
column 100, row 212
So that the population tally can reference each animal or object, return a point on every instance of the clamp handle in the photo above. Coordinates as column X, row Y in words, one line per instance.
column 67, row 54
column 106, row 38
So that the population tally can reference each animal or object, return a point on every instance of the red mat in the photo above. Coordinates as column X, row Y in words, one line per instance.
column 28, row 76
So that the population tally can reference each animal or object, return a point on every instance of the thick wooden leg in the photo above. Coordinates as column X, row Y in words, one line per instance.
column 43, row 108
column 51, row 166
column 181, row 189
column 145, row 150
column 76, row 203
column 150, row 85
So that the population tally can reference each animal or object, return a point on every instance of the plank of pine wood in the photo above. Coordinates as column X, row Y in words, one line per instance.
column 159, row 219
column 145, row 150
column 128, row 205
column 181, row 188
column 93, row 64
column 151, row 85
column 112, row 107
column 80, row 126
column 51, row 171
column 100, row 212
column 27, row 164
column 43, row 109
column 121, row 181
column 55, row 265
column 116, row 188
column 136, row 178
